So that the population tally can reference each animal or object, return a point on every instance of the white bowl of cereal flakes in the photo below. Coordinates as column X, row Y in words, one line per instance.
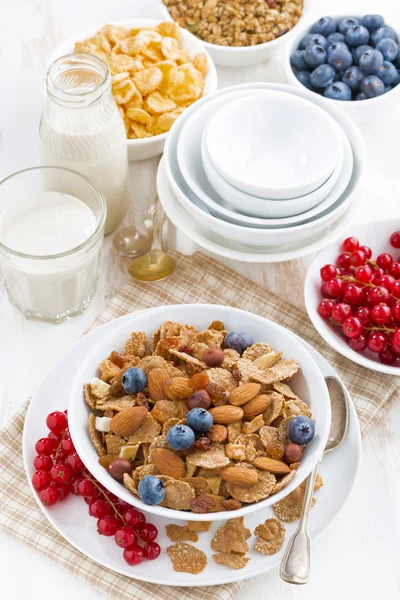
column 157, row 68
column 178, row 415
column 238, row 34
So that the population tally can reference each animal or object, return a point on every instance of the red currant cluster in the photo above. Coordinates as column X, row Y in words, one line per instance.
column 60, row 472
column 362, row 297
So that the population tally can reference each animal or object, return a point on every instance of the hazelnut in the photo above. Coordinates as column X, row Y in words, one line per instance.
column 213, row 357
column 118, row 467
column 293, row 453
column 200, row 399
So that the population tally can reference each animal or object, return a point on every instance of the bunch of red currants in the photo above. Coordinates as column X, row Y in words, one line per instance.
column 362, row 298
column 60, row 472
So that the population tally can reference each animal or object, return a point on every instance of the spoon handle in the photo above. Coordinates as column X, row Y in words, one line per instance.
column 295, row 565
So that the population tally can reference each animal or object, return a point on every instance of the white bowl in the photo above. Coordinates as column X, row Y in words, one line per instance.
column 147, row 147
column 243, row 56
column 308, row 384
column 187, row 152
column 275, row 146
column 376, row 235
column 359, row 110
column 261, row 207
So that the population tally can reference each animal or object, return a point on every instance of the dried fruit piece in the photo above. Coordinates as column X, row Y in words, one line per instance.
column 267, row 360
column 169, row 463
column 199, row 381
column 180, row 533
column 271, row 535
column 244, row 393
column 127, row 421
column 269, row 464
column 105, row 460
column 230, row 504
column 218, row 394
column 186, row 558
column 204, row 503
column 202, row 444
column 240, row 476
column 231, row 560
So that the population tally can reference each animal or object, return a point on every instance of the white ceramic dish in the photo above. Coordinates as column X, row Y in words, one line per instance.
column 307, row 384
column 376, row 235
column 71, row 520
column 361, row 111
column 226, row 247
column 228, row 56
column 277, row 146
column 193, row 181
column 148, row 147
column 261, row 207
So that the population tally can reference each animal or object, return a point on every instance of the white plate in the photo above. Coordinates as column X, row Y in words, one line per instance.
column 217, row 244
column 375, row 235
column 185, row 148
column 72, row 522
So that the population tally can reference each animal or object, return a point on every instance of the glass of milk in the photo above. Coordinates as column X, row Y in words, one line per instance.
column 82, row 129
column 51, row 233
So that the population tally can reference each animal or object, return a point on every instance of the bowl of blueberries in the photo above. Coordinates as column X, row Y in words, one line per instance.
column 353, row 61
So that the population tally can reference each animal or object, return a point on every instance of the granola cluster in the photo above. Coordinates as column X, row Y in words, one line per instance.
column 236, row 22
column 241, row 459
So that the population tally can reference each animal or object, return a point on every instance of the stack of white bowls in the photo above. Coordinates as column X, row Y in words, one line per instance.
column 259, row 172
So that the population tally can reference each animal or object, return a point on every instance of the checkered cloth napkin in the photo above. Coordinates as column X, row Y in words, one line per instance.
column 198, row 279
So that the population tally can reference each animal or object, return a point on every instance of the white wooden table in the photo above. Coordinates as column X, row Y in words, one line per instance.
column 359, row 556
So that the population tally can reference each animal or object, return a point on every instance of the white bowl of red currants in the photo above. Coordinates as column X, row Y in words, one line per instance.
column 352, row 296
column 353, row 61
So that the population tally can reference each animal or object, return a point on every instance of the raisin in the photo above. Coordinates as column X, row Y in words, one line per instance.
column 142, row 400
column 230, row 504
column 199, row 381
column 116, row 390
column 185, row 350
column 217, row 326
column 202, row 504
column 236, row 374
column 117, row 359
column 203, row 444
column 217, row 393
column 275, row 449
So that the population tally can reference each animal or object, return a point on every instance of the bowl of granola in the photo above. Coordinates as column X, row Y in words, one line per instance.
column 157, row 70
column 238, row 33
column 179, row 415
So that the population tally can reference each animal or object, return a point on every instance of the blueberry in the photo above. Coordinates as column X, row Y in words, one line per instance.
column 303, row 42
column 325, row 26
column 383, row 32
column 372, row 86
column 151, row 490
column 199, row 419
column 297, row 60
column 322, row 76
column 316, row 38
column 388, row 73
column 353, row 77
column 357, row 35
column 338, row 91
column 344, row 24
column 304, row 78
column 397, row 62
column 314, row 55
column 372, row 22
column 339, row 58
column 358, row 52
column 388, row 88
column 133, row 381
column 371, row 61
column 301, row 430
column 180, row 437
column 239, row 341
column 388, row 48
column 335, row 37
column 361, row 96
column 338, row 46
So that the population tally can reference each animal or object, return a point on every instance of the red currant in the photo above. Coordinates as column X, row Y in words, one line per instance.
column 377, row 276
column 388, row 356
column 41, row 479
column 86, row 488
column 67, row 446
column 343, row 260
column 147, row 532
column 100, row 508
column 384, row 261
column 363, row 274
column 354, row 294
column 45, row 446
column 152, row 550
column 352, row 327
column 377, row 342
column 56, row 437
column 357, row 258
column 395, row 270
column 42, row 463
column 351, row 244
column 367, row 251
column 57, row 422
column 396, row 341
column 61, row 473
column 396, row 312
column 341, row 311
column 134, row 555
column 49, row 496
column 364, row 314
column 334, row 287
column 134, row 517
column 73, row 486
column 122, row 506
column 381, row 313
column 328, row 272
column 378, row 294
column 395, row 239
column 75, row 462
column 108, row 525
column 358, row 344
column 387, row 281
column 325, row 308
column 396, row 289
column 63, row 491
column 125, row 537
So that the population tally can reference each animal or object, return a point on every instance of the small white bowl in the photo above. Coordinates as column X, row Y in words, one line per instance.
column 147, row 147
column 361, row 111
column 261, row 207
column 308, row 384
column 277, row 146
column 244, row 56
column 376, row 235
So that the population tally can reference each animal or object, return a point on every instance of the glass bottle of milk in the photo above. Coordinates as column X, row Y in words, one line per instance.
column 81, row 129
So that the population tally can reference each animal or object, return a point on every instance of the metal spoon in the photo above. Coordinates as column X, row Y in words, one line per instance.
column 136, row 239
column 295, row 565
column 156, row 264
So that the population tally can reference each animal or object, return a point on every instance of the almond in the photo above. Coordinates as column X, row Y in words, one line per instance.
column 276, row 467
column 157, row 381
column 218, row 433
column 127, row 421
column 256, row 406
column 226, row 414
column 240, row 476
column 169, row 463
column 244, row 393
column 178, row 388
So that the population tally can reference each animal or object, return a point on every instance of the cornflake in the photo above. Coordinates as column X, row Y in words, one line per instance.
column 96, row 437
column 231, row 560
column 212, row 459
column 289, row 508
column 271, row 535
column 231, row 537
column 259, row 491
column 181, row 533
column 199, row 525
column 186, row 558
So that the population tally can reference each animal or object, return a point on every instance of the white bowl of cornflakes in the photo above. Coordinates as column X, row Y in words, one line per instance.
column 158, row 69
